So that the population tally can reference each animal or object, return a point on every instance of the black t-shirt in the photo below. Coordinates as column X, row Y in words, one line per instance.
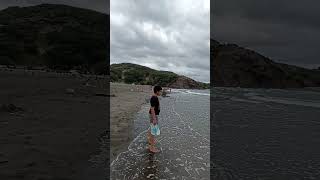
column 154, row 101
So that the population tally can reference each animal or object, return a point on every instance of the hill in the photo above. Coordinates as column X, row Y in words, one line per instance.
column 234, row 66
column 133, row 73
column 55, row 36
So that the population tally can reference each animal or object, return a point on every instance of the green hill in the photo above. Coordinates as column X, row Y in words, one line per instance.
column 55, row 36
column 235, row 66
column 133, row 73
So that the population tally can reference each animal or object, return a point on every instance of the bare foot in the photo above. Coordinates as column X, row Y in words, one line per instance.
column 153, row 150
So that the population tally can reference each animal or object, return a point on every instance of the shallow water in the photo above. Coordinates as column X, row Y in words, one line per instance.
column 184, row 142
column 265, row 134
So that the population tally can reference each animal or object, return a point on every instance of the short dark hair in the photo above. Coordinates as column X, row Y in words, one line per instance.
column 157, row 88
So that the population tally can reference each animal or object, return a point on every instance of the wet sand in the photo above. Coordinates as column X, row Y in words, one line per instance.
column 265, row 134
column 51, row 124
column 184, row 142
column 124, row 106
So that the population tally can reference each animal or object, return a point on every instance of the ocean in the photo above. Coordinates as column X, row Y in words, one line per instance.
column 253, row 134
column 184, row 141
column 265, row 133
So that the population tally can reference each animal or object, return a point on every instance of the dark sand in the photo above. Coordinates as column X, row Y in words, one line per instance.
column 54, row 127
column 265, row 134
column 124, row 106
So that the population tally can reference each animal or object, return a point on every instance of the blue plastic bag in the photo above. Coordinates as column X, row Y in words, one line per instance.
column 155, row 130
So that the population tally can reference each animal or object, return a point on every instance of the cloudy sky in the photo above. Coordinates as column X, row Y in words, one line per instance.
column 98, row 5
column 284, row 30
column 171, row 35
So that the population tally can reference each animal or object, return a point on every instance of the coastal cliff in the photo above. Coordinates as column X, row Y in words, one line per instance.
column 234, row 66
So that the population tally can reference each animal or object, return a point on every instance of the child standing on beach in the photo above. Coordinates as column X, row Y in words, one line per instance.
column 153, row 113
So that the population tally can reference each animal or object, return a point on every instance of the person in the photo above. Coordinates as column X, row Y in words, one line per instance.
column 154, row 113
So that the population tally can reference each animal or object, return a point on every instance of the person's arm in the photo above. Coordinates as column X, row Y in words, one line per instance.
column 153, row 114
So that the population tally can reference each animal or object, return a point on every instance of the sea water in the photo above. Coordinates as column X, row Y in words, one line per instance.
column 184, row 141
column 265, row 133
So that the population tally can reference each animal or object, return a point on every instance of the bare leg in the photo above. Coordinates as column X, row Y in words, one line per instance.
column 152, row 147
column 149, row 136
column 150, row 141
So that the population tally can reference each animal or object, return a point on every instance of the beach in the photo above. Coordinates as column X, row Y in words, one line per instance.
column 265, row 133
column 183, row 142
column 53, row 125
column 124, row 105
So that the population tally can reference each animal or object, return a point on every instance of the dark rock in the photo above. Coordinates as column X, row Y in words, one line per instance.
column 183, row 82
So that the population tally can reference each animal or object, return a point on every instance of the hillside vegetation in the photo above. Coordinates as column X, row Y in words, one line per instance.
column 55, row 36
column 137, row 74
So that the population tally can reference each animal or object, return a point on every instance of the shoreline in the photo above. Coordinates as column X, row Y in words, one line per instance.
column 184, row 117
column 127, row 101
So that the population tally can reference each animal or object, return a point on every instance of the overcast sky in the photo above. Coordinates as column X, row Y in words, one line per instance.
column 284, row 30
column 171, row 35
column 97, row 5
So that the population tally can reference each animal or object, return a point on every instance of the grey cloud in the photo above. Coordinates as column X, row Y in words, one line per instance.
column 286, row 31
column 162, row 35
column 296, row 12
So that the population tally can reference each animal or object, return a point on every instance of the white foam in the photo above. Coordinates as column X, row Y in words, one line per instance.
column 186, row 91
column 197, row 93
column 129, row 147
column 244, row 100
column 289, row 101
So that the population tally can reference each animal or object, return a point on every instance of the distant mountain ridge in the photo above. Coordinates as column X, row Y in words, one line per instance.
column 55, row 36
column 137, row 74
column 234, row 66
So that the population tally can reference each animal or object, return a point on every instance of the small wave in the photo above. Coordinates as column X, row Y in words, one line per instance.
column 287, row 101
column 244, row 100
column 186, row 91
column 194, row 93
column 198, row 93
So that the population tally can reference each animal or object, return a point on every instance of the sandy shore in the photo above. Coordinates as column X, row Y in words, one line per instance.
column 124, row 106
column 184, row 141
column 50, row 124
